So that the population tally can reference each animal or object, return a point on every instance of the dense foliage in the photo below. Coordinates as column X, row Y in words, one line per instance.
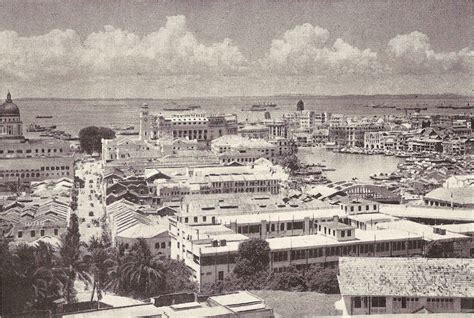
column 38, row 276
column 90, row 138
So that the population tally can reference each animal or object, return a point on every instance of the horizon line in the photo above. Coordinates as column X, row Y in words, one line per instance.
column 450, row 95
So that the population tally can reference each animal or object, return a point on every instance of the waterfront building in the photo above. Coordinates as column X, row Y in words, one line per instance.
column 24, row 160
column 406, row 285
column 454, row 147
column 351, row 134
column 234, row 148
column 382, row 140
column 199, row 126
column 321, row 136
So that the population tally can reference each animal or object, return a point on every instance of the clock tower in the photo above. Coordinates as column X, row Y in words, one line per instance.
column 144, row 123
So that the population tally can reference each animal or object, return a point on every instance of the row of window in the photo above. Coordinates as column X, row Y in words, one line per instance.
column 60, row 150
column 359, row 208
column 31, row 175
column 33, row 233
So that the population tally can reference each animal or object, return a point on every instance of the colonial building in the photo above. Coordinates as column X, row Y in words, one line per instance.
column 199, row 126
column 24, row 160
column 207, row 236
column 381, row 286
column 351, row 135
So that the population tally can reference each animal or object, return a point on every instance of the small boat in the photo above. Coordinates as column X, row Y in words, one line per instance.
column 39, row 128
column 44, row 116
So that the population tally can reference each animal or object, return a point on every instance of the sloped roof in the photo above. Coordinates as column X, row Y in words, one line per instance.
column 463, row 195
column 418, row 277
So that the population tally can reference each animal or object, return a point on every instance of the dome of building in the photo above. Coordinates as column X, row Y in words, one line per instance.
column 9, row 108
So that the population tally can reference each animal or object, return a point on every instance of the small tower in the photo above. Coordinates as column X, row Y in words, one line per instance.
column 300, row 106
column 144, row 123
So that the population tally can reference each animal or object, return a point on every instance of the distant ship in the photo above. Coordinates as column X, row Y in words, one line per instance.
column 270, row 105
column 44, row 116
column 181, row 108
column 261, row 107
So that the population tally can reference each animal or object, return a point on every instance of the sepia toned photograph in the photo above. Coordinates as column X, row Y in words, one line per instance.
column 236, row 158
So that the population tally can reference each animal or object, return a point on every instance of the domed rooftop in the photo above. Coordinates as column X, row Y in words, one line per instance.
column 9, row 108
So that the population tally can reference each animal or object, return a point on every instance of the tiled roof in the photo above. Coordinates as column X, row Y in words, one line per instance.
column 463, row 195
column 418, row 277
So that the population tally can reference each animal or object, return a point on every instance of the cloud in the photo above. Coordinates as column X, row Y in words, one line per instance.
column 171, row 50
column 412, row 54
column 172, row 62
column 304, row 50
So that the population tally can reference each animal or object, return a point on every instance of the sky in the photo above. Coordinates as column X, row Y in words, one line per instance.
column 172, row 49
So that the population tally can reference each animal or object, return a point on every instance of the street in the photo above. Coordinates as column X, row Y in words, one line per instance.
column 90, row 209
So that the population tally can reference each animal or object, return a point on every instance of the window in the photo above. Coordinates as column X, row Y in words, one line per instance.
column 195, row 219
column 163, row 244
column 56, row 231
column 343, row 233
column 282, row 227
column 186, row 220
column 349, row 233
column 204, row 218
column 42, row 233
column 33, row 233
column 357, row 302
column 378, row 302
column 157, row 246
column 20, row 234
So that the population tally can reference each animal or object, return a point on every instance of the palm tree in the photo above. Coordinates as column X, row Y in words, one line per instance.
column 101, row 259
column 143, row 273
column 72, row 261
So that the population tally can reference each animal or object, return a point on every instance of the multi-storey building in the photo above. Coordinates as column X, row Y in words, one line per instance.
column 199, row 126
column 351, row 135
column 255, row 132
column 208, row 239
column 234, row 148
column 278, row 129
column 25, row 160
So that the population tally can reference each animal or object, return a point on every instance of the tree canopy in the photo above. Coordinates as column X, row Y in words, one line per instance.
column 90, row 138
column 253, row 256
